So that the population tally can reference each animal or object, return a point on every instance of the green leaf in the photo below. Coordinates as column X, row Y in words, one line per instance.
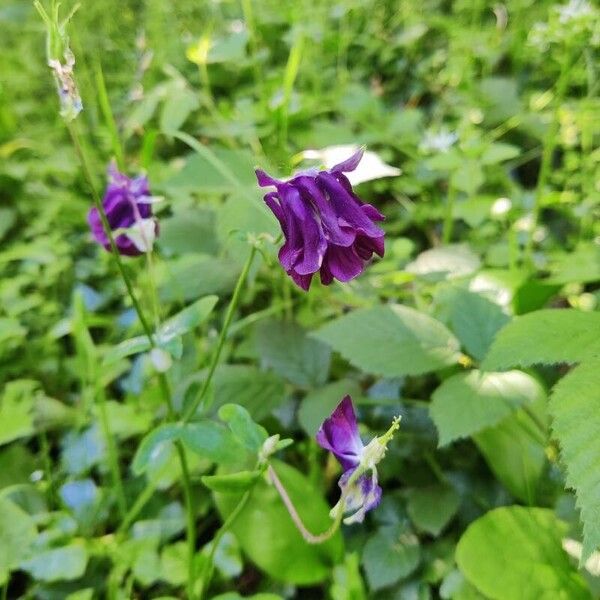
column 579, row 266
column 575, row 410
column 546, row 336
column 58, row 564
column 16, row 410
column 270, row 539
column 468, row 177
column 432, row 508
column 347, row 582
column 318, row 404
column 499, row 152
column 10, row 328
column 391, row 341
column 186, row 320
column 285, row 347
column 189, row 231
column 178, row 105
column 467, row 403
column 390, row 556
column 240, row 423
column 516, row 552
column 233, row 483
column 209, row 440
column 445, row 262
column 17, row 535
column 515, row 452
column 126, row 348
column 475, row 320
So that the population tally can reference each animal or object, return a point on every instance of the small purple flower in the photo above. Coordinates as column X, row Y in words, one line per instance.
column 128, row 206
column 339, row 434
column 327, row 228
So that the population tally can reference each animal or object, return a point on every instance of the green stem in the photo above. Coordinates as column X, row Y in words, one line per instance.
column 208, row 567
column 449, row 218
column 253, row 44
column 222, row 336
column 47, row 466
column 109, row 118
column 548, row 151
column 137, row 507
column 162, row 378
column 113, row 458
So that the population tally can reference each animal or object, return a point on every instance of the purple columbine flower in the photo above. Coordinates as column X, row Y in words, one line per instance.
column 327, row 228
column 358, row 483
column 128, row 206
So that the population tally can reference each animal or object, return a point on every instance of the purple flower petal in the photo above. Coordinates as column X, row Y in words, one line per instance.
column 339, row 435
column 350, row 163
column 343, row 263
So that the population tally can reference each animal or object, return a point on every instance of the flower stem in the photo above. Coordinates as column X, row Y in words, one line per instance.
column 164, row 386
column 449, row 218
column 208, row 567
column 307, row 535
column 222, row 336
column 548, row 151
column 113, row 456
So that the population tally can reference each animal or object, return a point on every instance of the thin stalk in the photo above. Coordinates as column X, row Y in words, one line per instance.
column 47, row 466
column 109, row 118
column 253, row 44
column 548, row 151
column 289, row 77
column 449, row 218
column 208, row 567
column 137, row 507
column 222, row 336
column 307, row 535
column 191, row 531
column 113, row 457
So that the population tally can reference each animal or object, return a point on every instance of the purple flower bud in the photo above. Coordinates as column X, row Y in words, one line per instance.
column 327, row 228
column 127, row 203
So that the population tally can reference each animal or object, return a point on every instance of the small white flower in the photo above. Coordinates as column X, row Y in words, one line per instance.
column 500, row 207
column 441, row 141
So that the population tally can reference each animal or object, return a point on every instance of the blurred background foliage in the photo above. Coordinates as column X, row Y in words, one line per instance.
column 490, row 111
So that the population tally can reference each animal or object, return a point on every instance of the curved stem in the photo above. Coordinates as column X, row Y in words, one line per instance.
column 307, row 535
column 222, row 336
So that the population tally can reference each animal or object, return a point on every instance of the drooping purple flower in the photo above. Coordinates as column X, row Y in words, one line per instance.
column 127, row 203
column 327, row 228
column 358, row 483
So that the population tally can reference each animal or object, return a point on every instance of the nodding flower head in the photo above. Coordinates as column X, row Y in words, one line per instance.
column 360, row 489
column 327, row 228
column 127, row 203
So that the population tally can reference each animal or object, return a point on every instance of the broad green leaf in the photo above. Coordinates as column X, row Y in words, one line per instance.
column 475, row 320
column 516, row 552
column 58, row 564
column 580, row 266
column 285, row 347
column 391, row 341
column 189, row 231
column 390, row 556
column 228, row 48
column 515, row 452
column 239, row 421
column 347, row 582
column 126, row 348
column 432, row 508
column 270, row 539
column 318, row 404
column 173, row 564
column 445, row 262
column 575, row 410
column 233, row 483
column 467, row 403
column 208, row 439
column 546, row 336
column 17, row 535
column 468, row 177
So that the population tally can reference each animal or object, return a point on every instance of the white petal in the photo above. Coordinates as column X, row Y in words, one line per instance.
column 142, row 234
column 370, row 167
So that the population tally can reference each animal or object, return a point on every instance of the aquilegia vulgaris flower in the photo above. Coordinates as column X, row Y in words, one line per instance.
column 127, row 203
column 327, row 228
column 358, row 483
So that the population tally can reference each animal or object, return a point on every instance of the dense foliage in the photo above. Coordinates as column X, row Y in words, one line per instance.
column 480, row 327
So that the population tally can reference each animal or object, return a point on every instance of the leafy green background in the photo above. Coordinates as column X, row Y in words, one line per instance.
column 480, row 327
